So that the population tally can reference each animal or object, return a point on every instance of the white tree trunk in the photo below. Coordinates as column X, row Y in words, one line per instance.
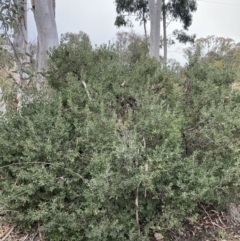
column 164, row 36
column 44, row 13
column 20, row 47
column 21, row 32
column 2, row 103
column 155, row 8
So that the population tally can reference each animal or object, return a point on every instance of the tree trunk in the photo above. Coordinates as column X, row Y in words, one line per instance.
column 20, row 47
column 2, row 103
column 155, row 19
column 164, row 34
column 145, row 31
column 44, row 13
column 21, row 32
column 20, row 41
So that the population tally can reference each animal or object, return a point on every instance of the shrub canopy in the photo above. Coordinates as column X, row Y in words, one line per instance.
column 118, row 148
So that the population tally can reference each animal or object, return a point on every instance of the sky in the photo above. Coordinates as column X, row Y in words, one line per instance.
column 96, row 18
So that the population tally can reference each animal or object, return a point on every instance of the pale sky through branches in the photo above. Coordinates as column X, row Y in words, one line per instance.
column 96, row 18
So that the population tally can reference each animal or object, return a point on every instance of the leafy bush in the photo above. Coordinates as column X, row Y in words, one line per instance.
column 116, row 151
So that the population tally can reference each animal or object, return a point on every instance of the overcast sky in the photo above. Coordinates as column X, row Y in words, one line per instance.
column 96, row 18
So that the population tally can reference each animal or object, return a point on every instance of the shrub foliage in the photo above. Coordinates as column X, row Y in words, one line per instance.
column 118, row 150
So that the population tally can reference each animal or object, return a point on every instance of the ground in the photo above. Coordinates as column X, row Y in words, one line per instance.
column 212, row 226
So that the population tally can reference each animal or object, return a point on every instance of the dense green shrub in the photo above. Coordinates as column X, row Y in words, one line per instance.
column 109, row 135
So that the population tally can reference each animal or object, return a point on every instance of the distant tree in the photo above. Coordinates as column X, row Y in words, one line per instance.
column 218, row 52
column 178, row 10
column 213, row 48
column 175, row 10
column 143, row 10
column 125, row 9
column 131, row 46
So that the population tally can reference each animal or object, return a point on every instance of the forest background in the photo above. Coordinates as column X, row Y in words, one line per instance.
column 215, row 17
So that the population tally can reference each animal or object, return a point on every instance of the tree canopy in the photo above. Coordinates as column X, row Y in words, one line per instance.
column 176, row 9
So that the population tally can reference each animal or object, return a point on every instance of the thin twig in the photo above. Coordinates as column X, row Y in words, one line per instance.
column 45, row 163
column 8, row 233
column 137, row 216
column 40, row 235
column 24, row 238
column 34, row 236
column 146, row 166
column 85, row 86
column 218, row 225
column 208, row 216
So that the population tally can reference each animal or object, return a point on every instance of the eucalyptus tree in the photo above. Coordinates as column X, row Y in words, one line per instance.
column 13, row 20
column 213, row 48
column 44, row 13
column 131, row 47
column 137, row 8
column 20, row 37
column 175, row 10
column 15, row 41
column 155, row 17
column 20, row 48
column 143, row 10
